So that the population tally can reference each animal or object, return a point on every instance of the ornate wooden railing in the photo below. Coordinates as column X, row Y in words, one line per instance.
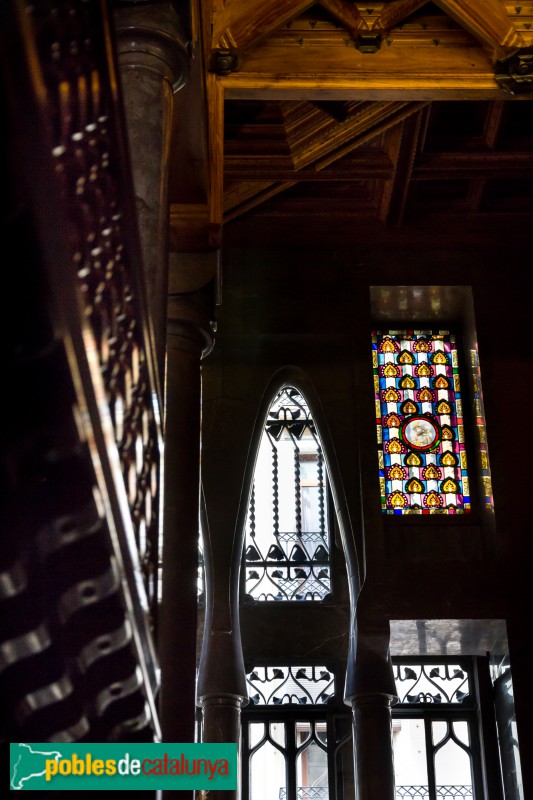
column 81, row 459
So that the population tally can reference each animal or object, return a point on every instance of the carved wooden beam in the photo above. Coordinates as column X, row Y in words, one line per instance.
column 427, row 72
column 487, row 20
column 468, row 165
column 215, row 122
column 403, row 150
column 243, row 23
column 190, row 229
column 328, row 146
column 395, row 12
column 347, row 14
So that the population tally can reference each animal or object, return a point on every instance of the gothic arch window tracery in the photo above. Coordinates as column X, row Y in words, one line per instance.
column 287, row 539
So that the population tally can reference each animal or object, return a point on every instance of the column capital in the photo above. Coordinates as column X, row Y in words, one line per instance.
column 150, row 36
column 374, row 699
column 189, row 323
column 221, row 674
column 227, row 700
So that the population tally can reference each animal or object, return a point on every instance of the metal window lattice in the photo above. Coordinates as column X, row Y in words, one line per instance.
column 287, row 549
column 283, row 685
column 432, row 683
column 307, row 793
column 443, row 792
column 419, row 418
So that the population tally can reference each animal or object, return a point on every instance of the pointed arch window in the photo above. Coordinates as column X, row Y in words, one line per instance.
column 287, row 541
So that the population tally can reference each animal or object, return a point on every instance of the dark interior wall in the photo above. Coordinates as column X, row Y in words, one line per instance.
column 310, row 309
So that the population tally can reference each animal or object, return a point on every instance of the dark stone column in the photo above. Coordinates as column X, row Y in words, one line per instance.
column 371, row 692
column 189, row 339
column 154, row 63
column 374, row 767
column 221, row 685
column 221, row 718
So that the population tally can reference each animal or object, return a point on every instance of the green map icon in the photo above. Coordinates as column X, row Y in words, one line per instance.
column 28, row 763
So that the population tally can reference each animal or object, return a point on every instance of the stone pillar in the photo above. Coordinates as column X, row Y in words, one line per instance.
column 189, row 339
column 371, row 692
column 372, row 731
column 221, row 718
column 154, row 63
column 221, row 685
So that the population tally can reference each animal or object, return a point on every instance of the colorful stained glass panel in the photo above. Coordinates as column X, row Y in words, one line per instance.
column 419, row 417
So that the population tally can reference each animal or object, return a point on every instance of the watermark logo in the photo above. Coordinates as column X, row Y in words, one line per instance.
column 136, row 766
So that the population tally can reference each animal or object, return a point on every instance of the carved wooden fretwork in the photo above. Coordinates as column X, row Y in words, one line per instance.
column 85, row 152
column 514, row 73
column 243, row 25
column 81, row 462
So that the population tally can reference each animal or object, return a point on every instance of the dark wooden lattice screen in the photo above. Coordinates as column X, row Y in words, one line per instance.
column 80, row 453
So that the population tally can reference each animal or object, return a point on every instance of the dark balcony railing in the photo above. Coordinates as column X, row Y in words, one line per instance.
column 446, row 792
column 451, row 792
column 307, row 793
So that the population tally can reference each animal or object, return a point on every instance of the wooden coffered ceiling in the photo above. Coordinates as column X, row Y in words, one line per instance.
column 354, row 120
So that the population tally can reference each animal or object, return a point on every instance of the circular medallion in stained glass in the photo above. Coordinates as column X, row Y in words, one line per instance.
column 420, row 433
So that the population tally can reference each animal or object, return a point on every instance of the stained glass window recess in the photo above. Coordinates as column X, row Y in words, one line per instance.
column 419, row 418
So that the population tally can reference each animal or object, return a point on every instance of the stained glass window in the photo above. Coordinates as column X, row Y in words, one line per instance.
column 287, row 549
column 422, row 457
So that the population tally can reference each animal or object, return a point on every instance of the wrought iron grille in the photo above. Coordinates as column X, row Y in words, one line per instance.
column 287, row 548
column 444, row 792
column 280, row 685
column 402, row 793
column 307, row 793
column 432, row 683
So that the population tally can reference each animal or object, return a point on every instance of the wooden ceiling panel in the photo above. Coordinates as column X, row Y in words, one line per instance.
column 383, row 117
column 452, row 158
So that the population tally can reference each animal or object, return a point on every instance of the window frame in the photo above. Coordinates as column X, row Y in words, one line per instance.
column 330, row 525
column 472, row 448
column 478, row 713
column 334, row 713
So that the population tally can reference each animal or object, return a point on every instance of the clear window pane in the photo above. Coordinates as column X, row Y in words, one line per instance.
column 344, row 774
column 453, row 773
column 277, row 733
column 311, row 763
column 256, row 732
column 410, row 764
column 267, row 771
column 310, row 509
column 303, row 732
